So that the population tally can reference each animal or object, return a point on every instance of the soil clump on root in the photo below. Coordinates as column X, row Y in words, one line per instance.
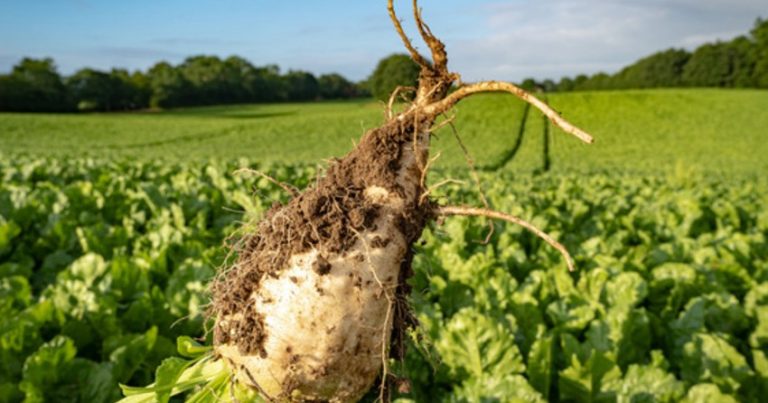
column 326, row 217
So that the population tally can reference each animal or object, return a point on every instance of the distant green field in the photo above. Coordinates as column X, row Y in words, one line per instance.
column 636, row 131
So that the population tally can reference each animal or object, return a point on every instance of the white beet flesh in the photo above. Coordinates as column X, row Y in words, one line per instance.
column 328, row 334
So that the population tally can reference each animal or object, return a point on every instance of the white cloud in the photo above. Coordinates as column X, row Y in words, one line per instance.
column 549, row 39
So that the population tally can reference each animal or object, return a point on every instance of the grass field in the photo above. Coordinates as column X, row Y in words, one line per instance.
column 637, row 131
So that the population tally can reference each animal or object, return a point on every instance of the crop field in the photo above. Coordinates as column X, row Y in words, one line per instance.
column 637, row 131
column 111, row 225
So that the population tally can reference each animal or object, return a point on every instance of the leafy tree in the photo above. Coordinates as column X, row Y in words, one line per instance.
column 662, row 69
column 599, row 81
column 529, row 84
column 13, row 94
column 301, row 86
column 34, row 85
column 760, row 53
column 92, row 90
column 239, row 78
column 123, row 89
column 710, row 66
column 741, row 62
column 565, row 84
column 335, row 86
column 363, row 88
column 204, row 74
column 549, row 85
column 267, row 85
column 742, row 59
column 392, row 71
column 169, row 86
column 580, row 81
column 141, row 89
column 95, row 90
column 217, row 81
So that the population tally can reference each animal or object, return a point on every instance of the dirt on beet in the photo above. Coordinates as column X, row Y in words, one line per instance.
column 326, row 217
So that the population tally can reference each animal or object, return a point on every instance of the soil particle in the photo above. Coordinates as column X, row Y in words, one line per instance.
column 378, row 242
column 249, row 329
column 321, row 265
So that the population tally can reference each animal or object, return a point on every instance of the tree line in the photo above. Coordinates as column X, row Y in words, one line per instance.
column 35, row 85
column 739, row 63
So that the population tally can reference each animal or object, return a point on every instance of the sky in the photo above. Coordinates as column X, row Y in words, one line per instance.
column 485, row 39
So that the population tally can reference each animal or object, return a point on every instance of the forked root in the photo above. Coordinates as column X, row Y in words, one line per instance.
column 501, row 86
column 399, row 90
column 415, row 55
column 482, row 212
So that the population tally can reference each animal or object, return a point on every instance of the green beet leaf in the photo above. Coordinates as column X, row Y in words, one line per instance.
column 710, row 358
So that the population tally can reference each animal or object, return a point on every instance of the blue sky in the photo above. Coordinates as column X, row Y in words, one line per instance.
column 486, row 39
